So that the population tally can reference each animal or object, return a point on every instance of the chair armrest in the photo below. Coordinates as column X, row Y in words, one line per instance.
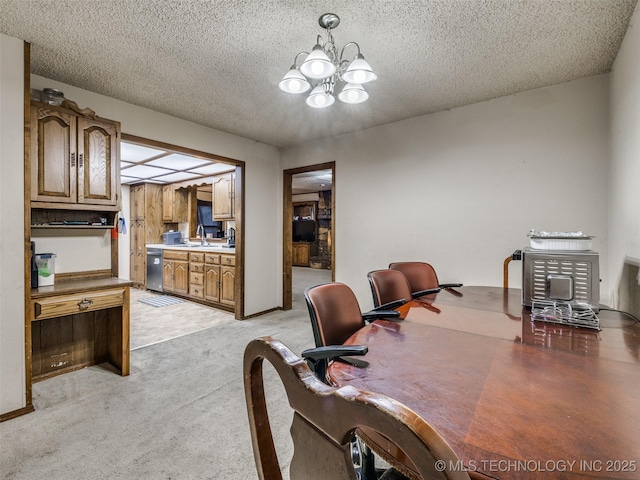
column 318, row 358
column 390, row 305
column 428, row 291
column 333, row 351
column 375, row 314
column 450, row 285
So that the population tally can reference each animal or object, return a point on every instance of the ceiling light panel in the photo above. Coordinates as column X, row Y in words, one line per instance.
column 137, row 153
column 176, row 177
column 144, row 171
column 177, row 161
column 126, row 180
column 213, row 168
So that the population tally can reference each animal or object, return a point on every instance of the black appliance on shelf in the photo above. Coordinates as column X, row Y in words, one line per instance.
column 205, row 218
column 304, row 231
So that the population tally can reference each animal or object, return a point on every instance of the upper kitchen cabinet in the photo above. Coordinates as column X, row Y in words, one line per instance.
column 223, row 196
column 74, row 159
column 175, row 204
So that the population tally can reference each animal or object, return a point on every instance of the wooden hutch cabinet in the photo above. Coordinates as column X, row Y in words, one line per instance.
column 74, row 183
column 74, row 159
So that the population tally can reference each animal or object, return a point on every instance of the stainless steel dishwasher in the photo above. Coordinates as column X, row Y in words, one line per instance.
column 154, row 269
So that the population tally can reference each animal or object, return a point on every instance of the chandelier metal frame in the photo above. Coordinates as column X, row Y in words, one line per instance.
column 323, row 68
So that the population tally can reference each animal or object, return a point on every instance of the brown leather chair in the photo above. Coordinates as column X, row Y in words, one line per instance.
column 326, row 419
column 421, row 276
column 335, row 314
column 390, row 288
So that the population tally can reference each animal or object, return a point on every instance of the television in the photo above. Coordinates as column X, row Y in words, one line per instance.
column 205, row 218
column 304, row 231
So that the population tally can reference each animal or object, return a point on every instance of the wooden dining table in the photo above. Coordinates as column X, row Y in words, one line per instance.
column 514, row 398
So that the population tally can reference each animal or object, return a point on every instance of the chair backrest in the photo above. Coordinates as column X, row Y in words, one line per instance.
column 388, row 286
column 326, row 418
column 420, row 275
column 334, row 312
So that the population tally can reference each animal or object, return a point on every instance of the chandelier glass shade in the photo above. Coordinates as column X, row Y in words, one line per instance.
column 323, row 69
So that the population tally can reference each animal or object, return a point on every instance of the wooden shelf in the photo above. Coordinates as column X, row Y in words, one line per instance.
column 69, row 227
column 42, row 218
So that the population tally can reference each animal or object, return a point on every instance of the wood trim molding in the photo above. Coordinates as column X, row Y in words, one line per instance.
column 86, row 275
column 27, row 230
column 239, row 223
column 16, row 413
column 264, row 312
column 178, row 149
column 287, row 212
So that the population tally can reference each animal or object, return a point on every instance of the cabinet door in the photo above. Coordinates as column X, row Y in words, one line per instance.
column 167, row 203
column 227, row 285
column 167, row 276
column 222, row 197
column 181, row 277
column 212, row 283
column 137, row 202
column 98, row 162
column 53, row 155
column 140, row 269
column 300, row 254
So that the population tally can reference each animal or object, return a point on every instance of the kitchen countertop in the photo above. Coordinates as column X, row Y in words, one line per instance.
column 196, row 247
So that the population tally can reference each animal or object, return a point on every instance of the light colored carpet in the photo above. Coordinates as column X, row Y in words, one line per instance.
column 180, row 414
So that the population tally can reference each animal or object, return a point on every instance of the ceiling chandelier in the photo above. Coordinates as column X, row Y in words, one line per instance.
column 323, row 68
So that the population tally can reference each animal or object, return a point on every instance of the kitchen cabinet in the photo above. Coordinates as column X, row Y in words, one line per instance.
column 212, row 278
column 174, row 204
column 146, row 227
column 220, row 279
column 300, row 257
column 196, row 275
column 75, row 159
column 175, row 272
column 223, row 196
column 228, row 286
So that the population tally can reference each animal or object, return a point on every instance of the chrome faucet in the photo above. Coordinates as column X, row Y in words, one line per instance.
column 200, row 231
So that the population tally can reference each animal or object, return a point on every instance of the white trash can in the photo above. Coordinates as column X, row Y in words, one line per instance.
column 46, row 264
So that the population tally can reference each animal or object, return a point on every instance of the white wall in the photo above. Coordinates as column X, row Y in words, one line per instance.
column 624, row 200
column 12, row 360
column 263, row 251
column 461, row 189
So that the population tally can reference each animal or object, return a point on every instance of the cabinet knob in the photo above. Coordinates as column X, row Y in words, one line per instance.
column 85, row 303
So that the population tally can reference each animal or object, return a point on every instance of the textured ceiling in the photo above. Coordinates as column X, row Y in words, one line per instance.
column 218, row 63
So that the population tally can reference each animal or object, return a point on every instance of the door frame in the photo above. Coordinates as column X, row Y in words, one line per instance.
column 239, row 204
column 287, row 228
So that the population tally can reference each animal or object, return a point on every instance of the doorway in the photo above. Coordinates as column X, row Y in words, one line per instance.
column 308, row 222
column 189, row 171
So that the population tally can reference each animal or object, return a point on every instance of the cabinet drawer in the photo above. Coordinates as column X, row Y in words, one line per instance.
column 62, row 305
column 228, row 260
column 196, row 267
column 175, row 255
column 212, row 258
column 196, row 278
column 196, row 291
column 196, row 257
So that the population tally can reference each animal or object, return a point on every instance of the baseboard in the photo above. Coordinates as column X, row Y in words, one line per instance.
column 261, row 313
column 16, row 413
